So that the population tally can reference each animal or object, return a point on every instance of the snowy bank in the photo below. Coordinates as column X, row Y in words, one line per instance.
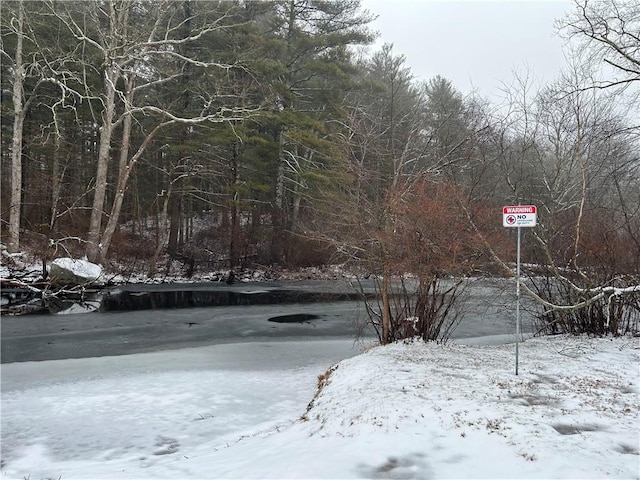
column 400, row 411
column 431, row 411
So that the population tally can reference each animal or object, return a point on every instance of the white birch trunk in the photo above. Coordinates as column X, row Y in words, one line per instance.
column 124, row 171
column 16, row 146
column 104, row 155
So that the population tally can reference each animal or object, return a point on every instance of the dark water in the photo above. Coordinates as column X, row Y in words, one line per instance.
column 294, row 318
column 130, row 298
column 188, row 298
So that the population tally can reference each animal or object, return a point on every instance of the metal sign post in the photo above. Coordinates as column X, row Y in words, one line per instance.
column 518, row 216
column 518, row 301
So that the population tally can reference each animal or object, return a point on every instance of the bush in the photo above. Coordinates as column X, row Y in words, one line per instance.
column 426, row 308
column 620, row 316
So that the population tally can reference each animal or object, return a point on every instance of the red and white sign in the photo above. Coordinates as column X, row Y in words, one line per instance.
column 519, row 216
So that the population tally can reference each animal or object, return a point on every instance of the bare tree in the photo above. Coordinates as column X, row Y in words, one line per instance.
column 579, row 149
column 389, row 217
column 393, row 119
column 610, row 31
column 31, row 68
column 136, row 41
column 19, row 113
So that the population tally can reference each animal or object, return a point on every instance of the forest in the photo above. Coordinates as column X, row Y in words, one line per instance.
column 226, row 134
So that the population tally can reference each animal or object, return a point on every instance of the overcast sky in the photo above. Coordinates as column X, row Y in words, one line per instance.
column 477, row 44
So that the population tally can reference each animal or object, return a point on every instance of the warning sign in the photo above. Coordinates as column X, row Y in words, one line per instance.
column 519, row 216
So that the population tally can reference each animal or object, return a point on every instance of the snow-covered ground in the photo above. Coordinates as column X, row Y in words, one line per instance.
column 401, row 411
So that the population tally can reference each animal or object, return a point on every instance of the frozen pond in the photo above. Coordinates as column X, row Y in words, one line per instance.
column 488, row 309
column 138, row 405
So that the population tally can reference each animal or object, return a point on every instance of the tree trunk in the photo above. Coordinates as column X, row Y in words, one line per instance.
column 235, row 224
column 295, row 208
column 277, row 238
column 56, row 183
column 175, row 219
column 124, row 171
column 163, row 229
column 16, row 146
column 297, row 196
column 386, row 305
column 104, row 155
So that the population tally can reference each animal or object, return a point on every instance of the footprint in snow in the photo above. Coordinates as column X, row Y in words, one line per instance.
column 166, row 445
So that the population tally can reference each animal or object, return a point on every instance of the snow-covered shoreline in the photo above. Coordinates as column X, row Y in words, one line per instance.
column 26, row 267
column 407, row 410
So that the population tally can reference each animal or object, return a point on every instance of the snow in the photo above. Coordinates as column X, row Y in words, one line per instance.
column 78, row 308
column 79, row 268
column 407, row 410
